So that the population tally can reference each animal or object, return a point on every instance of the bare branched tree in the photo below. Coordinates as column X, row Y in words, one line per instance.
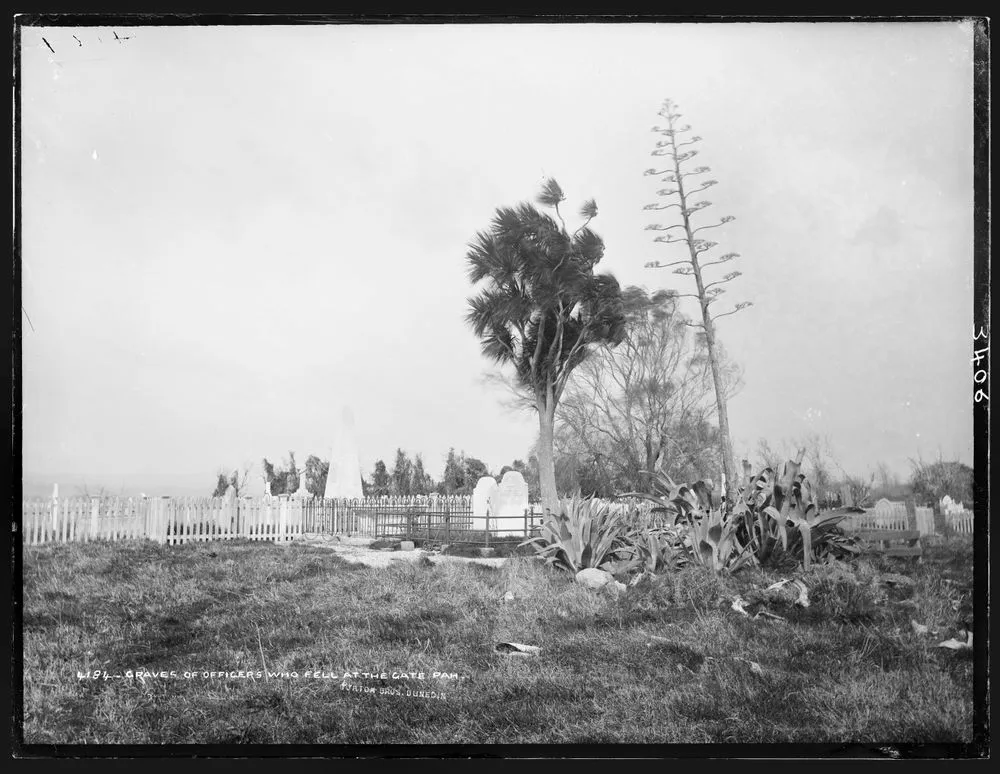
column 645, row 405
column 768, row 456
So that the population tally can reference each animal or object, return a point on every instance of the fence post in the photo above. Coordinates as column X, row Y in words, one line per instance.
column 95, row 507
column 64, row 525
column 55, row 514
column 488, row 509
column 447, row 523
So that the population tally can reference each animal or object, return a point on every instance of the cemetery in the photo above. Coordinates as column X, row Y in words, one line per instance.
column 230, row 246
column 608, row 600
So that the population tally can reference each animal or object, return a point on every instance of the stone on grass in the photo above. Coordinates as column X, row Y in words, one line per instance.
column 406, row 545
column 784, row 591
column 593, row 578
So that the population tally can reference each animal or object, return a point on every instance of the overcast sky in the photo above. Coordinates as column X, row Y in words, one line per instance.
column 230, row 233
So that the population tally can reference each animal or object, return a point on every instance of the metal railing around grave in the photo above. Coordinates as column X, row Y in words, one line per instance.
column 442, row 519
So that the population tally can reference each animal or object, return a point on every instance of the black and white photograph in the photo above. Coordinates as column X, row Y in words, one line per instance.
column 542, row 386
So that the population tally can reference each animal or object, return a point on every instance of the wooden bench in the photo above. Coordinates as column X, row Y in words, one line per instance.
column 888, row 541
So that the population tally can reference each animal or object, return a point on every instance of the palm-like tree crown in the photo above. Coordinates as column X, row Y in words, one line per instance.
column 542, row 307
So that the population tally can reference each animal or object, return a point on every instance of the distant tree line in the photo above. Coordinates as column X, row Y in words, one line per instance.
column 460, row 476
column 285, row 479
column 407, row 477
column 588, row 469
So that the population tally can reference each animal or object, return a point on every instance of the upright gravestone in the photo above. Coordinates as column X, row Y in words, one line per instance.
column 484, row 502
column 512, row 501
column 301, row 491
column 846, row 498
column 949, row 506
column 344, row 478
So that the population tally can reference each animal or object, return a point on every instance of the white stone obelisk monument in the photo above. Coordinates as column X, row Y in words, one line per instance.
column 344, row 478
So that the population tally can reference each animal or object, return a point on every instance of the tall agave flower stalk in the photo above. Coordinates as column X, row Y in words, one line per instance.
column 685, row 184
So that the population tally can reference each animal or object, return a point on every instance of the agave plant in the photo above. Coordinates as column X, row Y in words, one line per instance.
column 786, row 510
column 761, row 509
column 649, row 550
column 712, row 538
column 818, row 530
column 683, row 501
column 584, row 534
column 768, row 510
column 714, row 543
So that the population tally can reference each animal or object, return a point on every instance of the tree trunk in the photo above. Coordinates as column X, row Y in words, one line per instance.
column 648, row 475
column 546, row 460
column 728, row 464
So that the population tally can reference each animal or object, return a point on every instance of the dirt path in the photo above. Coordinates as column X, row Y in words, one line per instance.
column 357, row 550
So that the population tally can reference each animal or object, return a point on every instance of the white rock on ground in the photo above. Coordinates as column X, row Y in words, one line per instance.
column 593, row 578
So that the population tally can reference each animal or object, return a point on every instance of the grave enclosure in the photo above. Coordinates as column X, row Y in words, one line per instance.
column 892, row 519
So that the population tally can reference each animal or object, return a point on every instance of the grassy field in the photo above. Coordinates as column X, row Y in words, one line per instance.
column 668, row 661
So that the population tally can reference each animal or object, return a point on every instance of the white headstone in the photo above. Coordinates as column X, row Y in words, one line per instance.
column 951, row 506
column 230, row 492
column 512, row 501
column 484, row 500
column 301, row 491
column 344, row 478
column 890, row 514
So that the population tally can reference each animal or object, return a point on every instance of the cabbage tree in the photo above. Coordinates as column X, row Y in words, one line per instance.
column 541, row 308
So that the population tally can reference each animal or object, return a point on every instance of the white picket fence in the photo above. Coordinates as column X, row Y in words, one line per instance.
column 189, row 519
column 959, row 521
column 885, row 515
column 892, row 515
column 163, row 520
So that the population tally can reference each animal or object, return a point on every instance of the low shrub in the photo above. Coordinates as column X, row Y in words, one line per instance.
column 584, row 534
column 770, row 518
